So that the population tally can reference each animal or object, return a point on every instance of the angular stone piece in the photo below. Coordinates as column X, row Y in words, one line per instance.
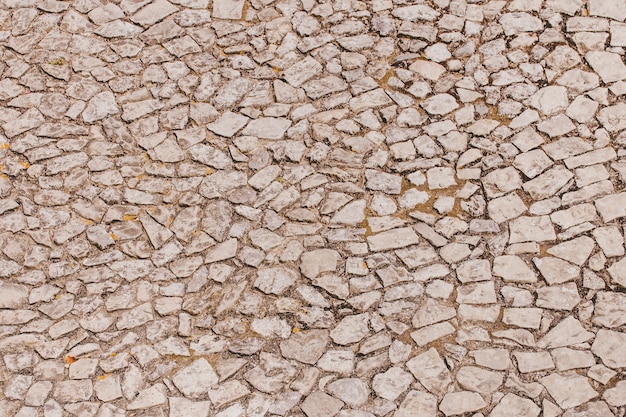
column 149, row 397
column 460, row 402
column 392, row 239
column 612, row 206
column 228, row 9
column 531, row 229
column 523, row 407
column 318, row 261
column 305, row 346
column 351, row 329
column 228, row 124
column 430, row 370
column 195, row 380
column 319, row 404
column 302, row 71
column 569, row 391
column 610, row 346
column 267, row 127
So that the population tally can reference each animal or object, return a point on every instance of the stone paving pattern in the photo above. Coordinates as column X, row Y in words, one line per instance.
column 401, row 208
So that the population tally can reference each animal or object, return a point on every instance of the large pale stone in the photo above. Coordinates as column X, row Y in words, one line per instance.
column 228, row 9
column 305, row 346
column 392, row 239
column 430, row 370
column 318, row 261
column 610, row 346
column 569, row 391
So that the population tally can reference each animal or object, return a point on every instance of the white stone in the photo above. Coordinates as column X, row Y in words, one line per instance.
column 228, row 9
column 429, row 369
column 569, row 391
column 228, row 124
column 267, row 127
column 440, row 104
column 461, row 402
column 523, row 407
column 195, row 380
column 550, row 100
column 608, row 65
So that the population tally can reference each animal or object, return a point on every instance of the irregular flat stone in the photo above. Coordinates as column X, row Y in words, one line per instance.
column 392, row 239
column 351, row 329
column 523, row 407
column 14, row 296
column 306, row 347
column 275, row 280
column 228, row 124
column 610, row 346
column 531, row 229
column 392, row 383
column 616, row 396
column 610, row 309
column 556, row 271
column 612, row 206
column 607, row 8
column 512, row 268
column 568, row 332
column 416, row 12
column 149, row 397
column 195, row 380
column 479, row 380
column 417, row 403
column 154, row 12
column 319, row 404
column 607, row 65
column 228, row 9
column 302, row 71
column 352, row 391
column 267, row 128
column 318, row 261
column 182, row 407
column 568, row 391
column 460, row 402
column 558, row 297
column 429, row 369
column 30, row 119
column 613, row 118
column 222, row 251
column 73, row 391
column 440, row 104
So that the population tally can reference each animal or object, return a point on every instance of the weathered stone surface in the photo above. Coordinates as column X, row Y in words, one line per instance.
column 393, row 239
column 306, row 347
column 430, row 370
column 319, row 404
column 318, row 261
column 522, row 406
column 195, row 380
column 609, row 346
column 343, row 208
column 569, row 391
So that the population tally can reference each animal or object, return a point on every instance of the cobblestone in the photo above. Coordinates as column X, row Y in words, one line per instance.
column 312, row 208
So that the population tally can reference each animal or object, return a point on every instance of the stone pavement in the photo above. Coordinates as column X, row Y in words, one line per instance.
column 381, row 208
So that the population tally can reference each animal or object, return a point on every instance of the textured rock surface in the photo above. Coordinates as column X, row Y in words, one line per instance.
column 312, row 208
